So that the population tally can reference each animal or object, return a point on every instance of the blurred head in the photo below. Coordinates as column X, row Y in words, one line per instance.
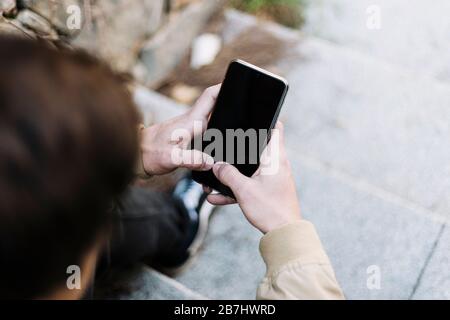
column 68, row 143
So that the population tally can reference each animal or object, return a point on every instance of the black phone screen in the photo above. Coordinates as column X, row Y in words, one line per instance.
column 246, row 110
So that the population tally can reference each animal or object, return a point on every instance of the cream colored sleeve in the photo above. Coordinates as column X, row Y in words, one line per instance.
column 297, row 265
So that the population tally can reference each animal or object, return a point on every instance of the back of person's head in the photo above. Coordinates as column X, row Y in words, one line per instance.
column 68, row 145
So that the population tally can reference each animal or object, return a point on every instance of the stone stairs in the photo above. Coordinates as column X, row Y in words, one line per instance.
column 368, row 141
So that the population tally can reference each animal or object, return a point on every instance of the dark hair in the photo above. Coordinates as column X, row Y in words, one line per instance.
column 68, row 145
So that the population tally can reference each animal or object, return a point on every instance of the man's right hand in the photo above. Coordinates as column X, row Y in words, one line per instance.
column 268, row 200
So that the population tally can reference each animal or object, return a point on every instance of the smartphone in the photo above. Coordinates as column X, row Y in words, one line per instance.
column 245, row 112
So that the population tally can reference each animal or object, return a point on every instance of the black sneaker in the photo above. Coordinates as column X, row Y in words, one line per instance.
column 192, row 201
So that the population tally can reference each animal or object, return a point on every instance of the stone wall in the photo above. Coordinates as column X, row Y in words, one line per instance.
column 146, row 38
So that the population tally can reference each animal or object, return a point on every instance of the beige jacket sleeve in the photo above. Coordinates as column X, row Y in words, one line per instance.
column 297, row 265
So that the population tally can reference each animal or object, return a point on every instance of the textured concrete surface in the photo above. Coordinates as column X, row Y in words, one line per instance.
column 359, row 230
column 376, row 112
column 142, row 283
column 413, row 33
column 229, row 267
column 372, row 121
column 435, row 280
column 155, row 107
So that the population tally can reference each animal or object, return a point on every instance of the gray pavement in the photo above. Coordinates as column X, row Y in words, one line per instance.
column 413, row 33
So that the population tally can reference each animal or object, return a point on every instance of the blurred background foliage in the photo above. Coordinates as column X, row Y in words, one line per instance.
column 286, row 12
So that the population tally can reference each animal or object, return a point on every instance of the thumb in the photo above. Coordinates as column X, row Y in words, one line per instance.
column 230, row 176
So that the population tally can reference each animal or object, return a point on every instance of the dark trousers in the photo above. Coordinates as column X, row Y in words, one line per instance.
column 151, row 226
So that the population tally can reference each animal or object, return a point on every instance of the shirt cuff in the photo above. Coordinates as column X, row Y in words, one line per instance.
column 295, row 241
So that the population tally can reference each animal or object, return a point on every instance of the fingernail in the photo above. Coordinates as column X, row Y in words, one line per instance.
column 209, row 163
column 217, row 166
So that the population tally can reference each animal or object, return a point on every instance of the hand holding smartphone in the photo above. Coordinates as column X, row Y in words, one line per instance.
column 244, row 114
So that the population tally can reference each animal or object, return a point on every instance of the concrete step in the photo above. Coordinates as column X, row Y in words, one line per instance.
column 142, row 283
column 362, row 230
column 373, row 121
column 155, row 107
column 434, row 281
column 229, row 266
column 412, row 33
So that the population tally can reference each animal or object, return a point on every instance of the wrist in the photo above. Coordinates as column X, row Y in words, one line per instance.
column 280, row 223
column 142, row 171
column 283, row 216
